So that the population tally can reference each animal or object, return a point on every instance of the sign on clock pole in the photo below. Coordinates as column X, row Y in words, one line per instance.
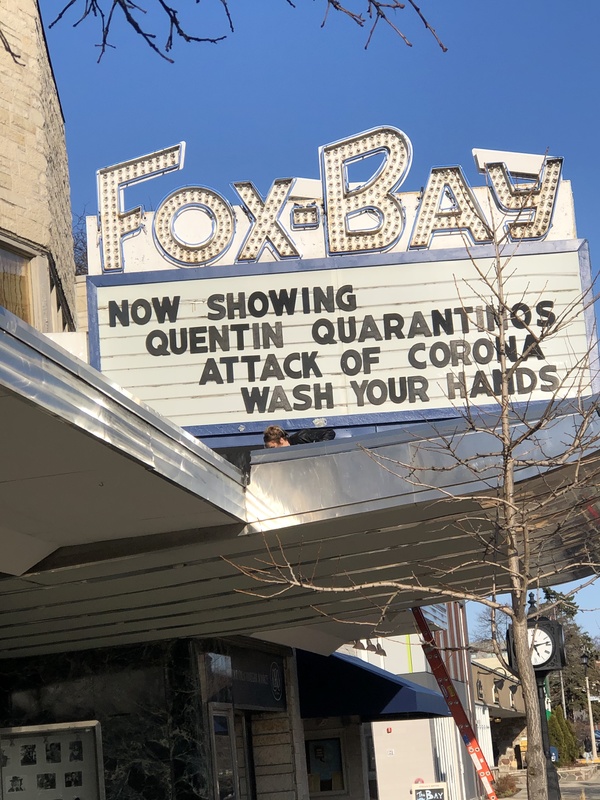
column 591, row 719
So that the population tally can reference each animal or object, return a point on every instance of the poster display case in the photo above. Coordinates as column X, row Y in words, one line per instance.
column 324, row 759
column 52, row 762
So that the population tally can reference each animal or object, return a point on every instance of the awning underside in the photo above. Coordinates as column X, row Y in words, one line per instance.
column 341, row 685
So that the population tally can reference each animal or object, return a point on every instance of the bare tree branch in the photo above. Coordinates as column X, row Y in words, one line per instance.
column 171, row 25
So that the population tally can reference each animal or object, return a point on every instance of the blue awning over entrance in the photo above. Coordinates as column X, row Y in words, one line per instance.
column 341, row 685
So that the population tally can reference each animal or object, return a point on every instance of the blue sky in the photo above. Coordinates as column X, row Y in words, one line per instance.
column 518, row 75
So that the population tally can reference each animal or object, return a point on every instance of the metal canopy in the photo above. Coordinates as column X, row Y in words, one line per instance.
column 83, row 463
column 115, row 523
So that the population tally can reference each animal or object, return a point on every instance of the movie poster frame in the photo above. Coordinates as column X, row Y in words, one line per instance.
column 88, row 759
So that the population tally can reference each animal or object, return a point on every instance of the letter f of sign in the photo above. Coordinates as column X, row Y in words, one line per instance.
column 115, row 223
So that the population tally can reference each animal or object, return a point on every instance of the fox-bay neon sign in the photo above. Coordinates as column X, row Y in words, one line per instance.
column 369, row 217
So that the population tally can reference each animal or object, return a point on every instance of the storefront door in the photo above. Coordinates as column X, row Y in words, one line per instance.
column 224, row 753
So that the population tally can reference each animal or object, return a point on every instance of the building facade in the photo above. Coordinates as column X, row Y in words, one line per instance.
column 174, row 716
column 500, row 712
column 429, row 751
column 128, row 544
column 36, row 253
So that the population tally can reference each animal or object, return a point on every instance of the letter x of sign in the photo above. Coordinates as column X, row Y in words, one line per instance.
column 265, row 228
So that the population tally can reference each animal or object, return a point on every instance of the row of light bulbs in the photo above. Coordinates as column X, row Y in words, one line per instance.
column 369, row 647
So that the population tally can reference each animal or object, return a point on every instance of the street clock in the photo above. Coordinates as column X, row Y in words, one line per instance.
column 546, row 645
column 541, row 647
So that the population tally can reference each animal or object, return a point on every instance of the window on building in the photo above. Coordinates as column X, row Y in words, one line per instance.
column 15, row 287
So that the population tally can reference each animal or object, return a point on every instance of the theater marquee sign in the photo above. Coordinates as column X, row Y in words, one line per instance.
column 338, row 301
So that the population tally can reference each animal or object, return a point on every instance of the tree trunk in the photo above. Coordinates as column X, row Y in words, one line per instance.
column 537, row 780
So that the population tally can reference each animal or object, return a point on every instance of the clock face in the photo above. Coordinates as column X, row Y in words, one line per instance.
column 541, row 646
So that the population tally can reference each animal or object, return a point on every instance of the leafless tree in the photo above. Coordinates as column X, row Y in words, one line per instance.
column 515, row 528
column 80, row 244
column 169, row 22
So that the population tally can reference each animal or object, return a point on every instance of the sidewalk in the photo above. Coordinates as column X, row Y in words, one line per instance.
column 572, row 783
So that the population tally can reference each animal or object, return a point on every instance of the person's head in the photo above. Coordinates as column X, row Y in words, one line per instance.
column 274, row 436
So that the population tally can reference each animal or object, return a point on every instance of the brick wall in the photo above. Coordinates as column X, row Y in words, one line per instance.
column 274, row 764
column 34, row 177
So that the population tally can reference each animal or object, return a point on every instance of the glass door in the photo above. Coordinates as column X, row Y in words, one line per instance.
column 224, row 755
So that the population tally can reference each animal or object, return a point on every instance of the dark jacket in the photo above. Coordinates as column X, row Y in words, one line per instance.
column 310, row 435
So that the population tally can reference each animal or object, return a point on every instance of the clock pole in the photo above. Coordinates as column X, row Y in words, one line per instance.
column 551, row 772
column 542, row 672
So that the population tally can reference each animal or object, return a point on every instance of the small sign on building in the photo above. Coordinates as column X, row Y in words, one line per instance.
column 430, row 791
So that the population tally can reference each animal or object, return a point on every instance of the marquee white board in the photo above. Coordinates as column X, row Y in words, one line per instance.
column 349, row 340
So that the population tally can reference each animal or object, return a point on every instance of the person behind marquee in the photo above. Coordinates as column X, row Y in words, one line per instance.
column 274, row 436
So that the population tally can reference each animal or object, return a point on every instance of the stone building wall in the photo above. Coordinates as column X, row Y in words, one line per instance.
column 154, row 743
column 34, row 179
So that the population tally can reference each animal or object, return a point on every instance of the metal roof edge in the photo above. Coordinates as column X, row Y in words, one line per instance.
column 40, row 372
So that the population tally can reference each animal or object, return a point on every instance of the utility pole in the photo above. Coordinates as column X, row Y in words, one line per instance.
column 562, row 694
column 585, row 660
